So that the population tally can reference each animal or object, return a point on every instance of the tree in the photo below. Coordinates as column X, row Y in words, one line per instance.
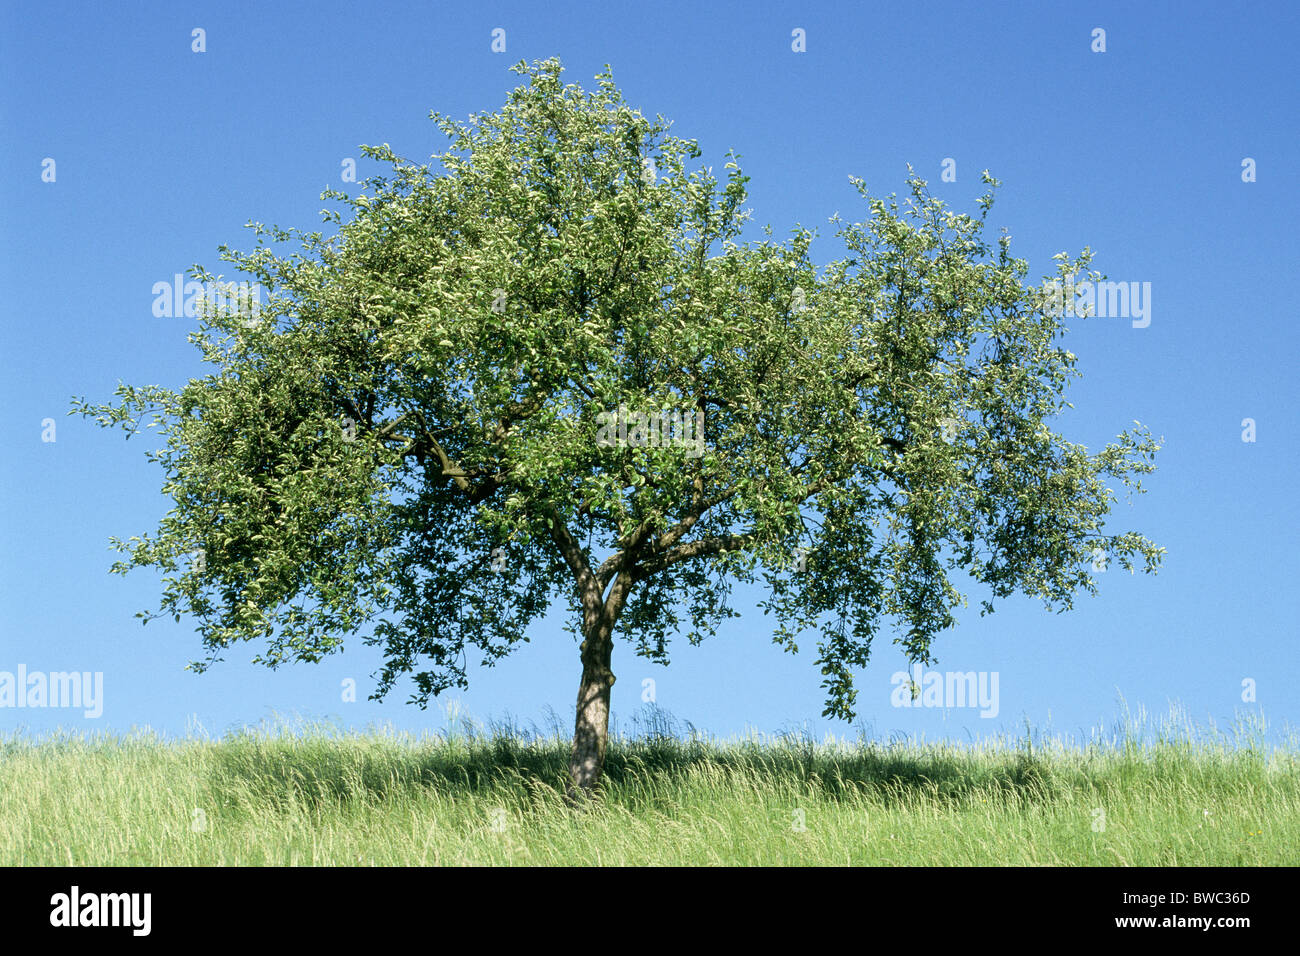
column 483, row 391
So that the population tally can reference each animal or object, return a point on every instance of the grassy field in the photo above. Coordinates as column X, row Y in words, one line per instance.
column 316, row 797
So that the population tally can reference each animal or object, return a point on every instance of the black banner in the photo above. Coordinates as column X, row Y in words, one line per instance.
column 304, row 905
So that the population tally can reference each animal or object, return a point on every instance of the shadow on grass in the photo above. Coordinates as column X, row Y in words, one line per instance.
column 653, row 769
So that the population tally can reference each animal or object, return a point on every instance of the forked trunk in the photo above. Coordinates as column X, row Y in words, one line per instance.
column 591, row 728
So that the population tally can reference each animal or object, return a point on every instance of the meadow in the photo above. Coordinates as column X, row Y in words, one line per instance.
column 314, row 795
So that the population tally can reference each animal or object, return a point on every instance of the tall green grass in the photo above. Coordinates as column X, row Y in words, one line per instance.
column 310, row 795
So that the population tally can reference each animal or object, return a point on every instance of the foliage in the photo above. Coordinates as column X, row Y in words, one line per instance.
column 402, row 441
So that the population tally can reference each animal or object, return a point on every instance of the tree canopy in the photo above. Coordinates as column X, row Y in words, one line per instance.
column 404, row 441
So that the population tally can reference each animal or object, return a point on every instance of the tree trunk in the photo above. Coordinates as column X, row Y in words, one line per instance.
column 591, row 728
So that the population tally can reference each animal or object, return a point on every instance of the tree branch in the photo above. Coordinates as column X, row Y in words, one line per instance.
column 697, row 549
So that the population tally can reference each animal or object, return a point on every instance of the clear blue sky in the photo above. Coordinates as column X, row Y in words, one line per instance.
column 163, row 154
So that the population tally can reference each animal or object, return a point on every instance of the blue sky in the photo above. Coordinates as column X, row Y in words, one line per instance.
column 162, row 154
